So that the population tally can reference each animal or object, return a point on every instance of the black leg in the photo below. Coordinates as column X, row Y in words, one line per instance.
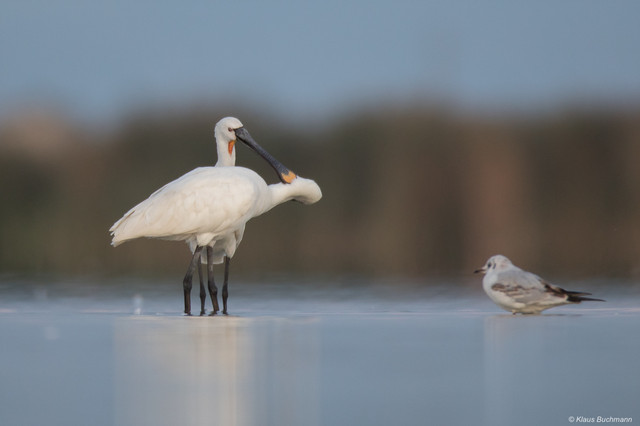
column 203, row 293
column 213, row 290
column 225, row 289
column 186, row 283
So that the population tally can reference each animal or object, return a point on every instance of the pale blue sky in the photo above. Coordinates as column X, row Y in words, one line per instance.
column 98, row 60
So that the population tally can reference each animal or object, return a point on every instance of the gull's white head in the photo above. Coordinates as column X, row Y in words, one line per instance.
column 225, row 133
column 495, row 263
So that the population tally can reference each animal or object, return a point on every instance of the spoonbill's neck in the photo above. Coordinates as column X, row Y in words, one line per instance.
column 300, row 189
column 226, row 152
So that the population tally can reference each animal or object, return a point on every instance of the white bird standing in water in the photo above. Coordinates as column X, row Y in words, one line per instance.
column 519, row 291
column 210, row 206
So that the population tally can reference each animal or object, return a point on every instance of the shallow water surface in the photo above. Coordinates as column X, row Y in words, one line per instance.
column 345, row 357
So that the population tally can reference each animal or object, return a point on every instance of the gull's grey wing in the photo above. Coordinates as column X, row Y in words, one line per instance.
column 525, row 287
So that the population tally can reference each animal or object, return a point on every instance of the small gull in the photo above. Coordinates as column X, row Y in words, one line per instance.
column 519, row 291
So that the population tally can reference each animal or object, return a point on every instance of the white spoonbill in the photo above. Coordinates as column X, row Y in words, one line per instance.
column 210, row 206
column 515, row 290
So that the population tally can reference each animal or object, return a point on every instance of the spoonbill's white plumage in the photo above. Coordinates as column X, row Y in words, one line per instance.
column 519, row 291
column 210, row 206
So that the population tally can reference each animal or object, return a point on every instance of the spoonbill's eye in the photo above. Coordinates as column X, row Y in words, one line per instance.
column 230, row 129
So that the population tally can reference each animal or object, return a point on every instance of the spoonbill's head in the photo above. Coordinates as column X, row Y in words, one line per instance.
column 495, row 263
column 230, row 129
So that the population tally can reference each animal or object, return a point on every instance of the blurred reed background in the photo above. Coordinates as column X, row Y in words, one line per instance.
column 410, row 192
column 416, row 184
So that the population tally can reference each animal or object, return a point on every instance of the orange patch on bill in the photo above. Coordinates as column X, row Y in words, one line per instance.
column 231, row 146
column 289, row 177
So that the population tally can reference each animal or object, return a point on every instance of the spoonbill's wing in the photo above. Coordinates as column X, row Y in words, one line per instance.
column 206, row 200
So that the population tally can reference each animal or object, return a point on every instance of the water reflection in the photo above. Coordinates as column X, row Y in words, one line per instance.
column 521, row 361
column 542, row 369
column 231, row 371
column 357, row 361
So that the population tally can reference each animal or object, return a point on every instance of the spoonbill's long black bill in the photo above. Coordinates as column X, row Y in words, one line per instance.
column 284, row 174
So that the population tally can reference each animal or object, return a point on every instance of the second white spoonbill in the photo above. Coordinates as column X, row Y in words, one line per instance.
column 209, row 207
